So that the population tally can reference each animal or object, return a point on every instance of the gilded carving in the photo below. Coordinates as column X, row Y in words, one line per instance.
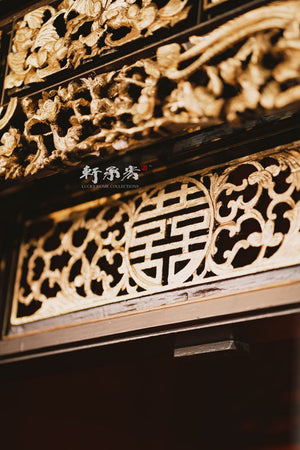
column 212, row 224
column 247, row 67
column 49, row 39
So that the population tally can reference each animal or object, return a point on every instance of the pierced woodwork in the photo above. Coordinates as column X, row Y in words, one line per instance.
column 50, row 39
column 248, row 67
column 213, row 224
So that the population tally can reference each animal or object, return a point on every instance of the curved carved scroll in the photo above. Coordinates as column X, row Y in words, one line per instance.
column 49, row 39
column 210, row 225
column 248, row 67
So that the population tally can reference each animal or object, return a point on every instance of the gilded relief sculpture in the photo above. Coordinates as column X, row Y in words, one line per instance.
column 209, row 225
column 247, row 67
column 49, row 39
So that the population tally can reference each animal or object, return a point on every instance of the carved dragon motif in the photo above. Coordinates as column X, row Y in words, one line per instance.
column 48, row 40
column 247, row 67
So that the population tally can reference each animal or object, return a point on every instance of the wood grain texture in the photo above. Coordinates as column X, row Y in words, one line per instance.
column 155, row 98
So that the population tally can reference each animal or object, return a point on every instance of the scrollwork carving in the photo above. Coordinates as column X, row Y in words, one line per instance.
column 48, row 40
column 247, row 67
column 212, row 224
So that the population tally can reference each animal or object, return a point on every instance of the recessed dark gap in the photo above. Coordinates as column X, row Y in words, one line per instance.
column 60, row 25
column 192, row 221
column 28, row 310
column 118, row 34
column 147, row 208
column 75, row 270
column 60, row 261
column 171, row 201
column 150, row 272
column 90, row 250
column 97, row 287
column 112, row 268
column 39, row 265
column 53, row 241
column 80, row 291
column 197, row 246
column 79, row 236
column 49, row 291
column 179, row 265
column 147, row 232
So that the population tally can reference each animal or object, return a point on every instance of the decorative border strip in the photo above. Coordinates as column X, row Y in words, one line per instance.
column 245, row 68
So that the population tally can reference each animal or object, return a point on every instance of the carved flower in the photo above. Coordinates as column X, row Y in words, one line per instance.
column 267, row 237
column 37, row 59
column 168, row 57
column 10, row 141
column 87, row 7
column 132, row 12
column 60, row 48
column 28, row 106
column 16, row 62
column 49, row 109
column 22, row 39
column 261, row 177
column 146, row 17
column 144, row 109
column 35, row 18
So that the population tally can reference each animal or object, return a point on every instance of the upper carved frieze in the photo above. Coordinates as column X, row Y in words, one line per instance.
column 50, row 39
column 245, row 68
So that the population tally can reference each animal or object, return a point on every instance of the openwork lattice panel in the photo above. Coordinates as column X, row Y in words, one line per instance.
column 212, row 224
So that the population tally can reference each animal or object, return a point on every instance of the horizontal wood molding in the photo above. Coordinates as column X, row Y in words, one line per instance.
column 208, row 311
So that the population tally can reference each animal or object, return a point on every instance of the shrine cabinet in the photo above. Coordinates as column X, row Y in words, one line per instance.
column 150, row 224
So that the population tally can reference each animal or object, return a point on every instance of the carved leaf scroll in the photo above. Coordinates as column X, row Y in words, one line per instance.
column 247, row 67
column 49, row 39
column 213, row 224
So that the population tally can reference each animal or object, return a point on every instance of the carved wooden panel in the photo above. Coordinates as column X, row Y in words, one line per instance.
column 217, row 223
column 248, row 67
column 50, row 39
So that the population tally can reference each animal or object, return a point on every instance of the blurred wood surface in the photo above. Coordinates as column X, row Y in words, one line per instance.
column 138, row 396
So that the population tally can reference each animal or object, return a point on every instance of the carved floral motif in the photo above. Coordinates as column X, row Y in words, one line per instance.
column 48, row 40
column 247, row 67
column 212, row 224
